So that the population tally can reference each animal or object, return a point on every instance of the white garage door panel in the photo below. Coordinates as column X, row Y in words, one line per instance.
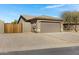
column 50, row 27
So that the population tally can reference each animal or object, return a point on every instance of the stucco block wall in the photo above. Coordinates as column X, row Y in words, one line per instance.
column 1, row 27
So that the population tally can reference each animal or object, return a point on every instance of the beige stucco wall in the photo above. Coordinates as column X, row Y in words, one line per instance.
column 38, row 26
column 1, row 27
column 62, row 26
column 26, row 26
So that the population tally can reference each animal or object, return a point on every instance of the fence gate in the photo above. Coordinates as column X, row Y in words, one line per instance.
column 12, row 28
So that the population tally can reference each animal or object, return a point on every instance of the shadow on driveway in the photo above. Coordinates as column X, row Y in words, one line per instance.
column 52, row 51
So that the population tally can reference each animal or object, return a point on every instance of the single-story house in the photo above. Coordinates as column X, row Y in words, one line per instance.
column 41, row 23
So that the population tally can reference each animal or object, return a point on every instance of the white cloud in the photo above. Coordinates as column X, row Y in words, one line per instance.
column 54, row 6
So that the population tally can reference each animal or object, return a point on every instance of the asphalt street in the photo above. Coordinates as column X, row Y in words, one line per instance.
column 52, row 51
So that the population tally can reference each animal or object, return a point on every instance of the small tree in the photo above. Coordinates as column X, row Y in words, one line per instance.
column 1, row 21
column 67, row 16
column 14, row 22
column 71, row 17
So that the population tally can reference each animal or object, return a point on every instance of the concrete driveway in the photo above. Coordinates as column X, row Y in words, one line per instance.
column 35, row 41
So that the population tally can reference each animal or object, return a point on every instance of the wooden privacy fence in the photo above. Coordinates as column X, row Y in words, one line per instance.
column 12, row 28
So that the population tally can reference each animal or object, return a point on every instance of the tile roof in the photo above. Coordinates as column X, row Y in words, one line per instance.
column 42, row 17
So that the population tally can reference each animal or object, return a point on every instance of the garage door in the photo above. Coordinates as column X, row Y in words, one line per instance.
column 50, row 27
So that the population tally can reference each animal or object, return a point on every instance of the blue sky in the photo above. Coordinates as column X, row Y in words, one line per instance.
column 10, row 12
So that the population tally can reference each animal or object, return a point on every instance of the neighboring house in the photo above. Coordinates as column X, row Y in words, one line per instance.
column 41, row 24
